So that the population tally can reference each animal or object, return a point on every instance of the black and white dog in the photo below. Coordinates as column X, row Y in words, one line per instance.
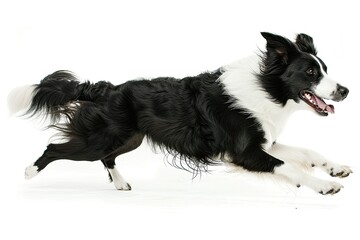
column 233, row 114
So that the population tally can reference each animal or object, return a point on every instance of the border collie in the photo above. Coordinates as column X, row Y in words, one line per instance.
column 233, row 114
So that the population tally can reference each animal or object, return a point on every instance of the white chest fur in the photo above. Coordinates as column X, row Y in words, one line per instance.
column 240, row 81
column 273, row 121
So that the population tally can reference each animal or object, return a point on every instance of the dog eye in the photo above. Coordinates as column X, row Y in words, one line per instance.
column 310, row 72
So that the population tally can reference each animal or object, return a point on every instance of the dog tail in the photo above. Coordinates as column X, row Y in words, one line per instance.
column 57, row 94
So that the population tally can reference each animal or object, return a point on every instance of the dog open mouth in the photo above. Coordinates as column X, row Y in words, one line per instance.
column 317, row 103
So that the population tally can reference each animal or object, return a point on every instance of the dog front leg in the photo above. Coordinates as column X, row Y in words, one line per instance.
column 257, row 160
column 308, row 159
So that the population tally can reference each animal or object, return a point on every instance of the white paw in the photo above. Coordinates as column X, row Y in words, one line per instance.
column 121, row 185
column 327, row 187
column 118, row 180
column 31, row 171
column 339, row 171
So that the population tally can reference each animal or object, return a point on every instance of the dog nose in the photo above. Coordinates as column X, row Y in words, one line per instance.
column 341, row 93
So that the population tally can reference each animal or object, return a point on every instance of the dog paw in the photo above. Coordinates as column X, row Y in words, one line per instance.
column 339, row 171
column 31, row 171
column 122, row 186
column 327, row 188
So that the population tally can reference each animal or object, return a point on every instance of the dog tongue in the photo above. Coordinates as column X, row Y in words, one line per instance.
column 322, row 105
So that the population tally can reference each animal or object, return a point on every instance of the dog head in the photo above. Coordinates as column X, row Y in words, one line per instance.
column 292, row 70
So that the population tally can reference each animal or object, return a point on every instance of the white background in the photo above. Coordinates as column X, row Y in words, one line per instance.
column 122, row 40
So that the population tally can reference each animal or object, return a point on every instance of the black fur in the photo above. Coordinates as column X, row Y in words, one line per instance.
column 305, row 43
column 190, row 118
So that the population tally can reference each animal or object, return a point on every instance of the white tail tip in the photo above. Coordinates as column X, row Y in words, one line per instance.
column 19, row 99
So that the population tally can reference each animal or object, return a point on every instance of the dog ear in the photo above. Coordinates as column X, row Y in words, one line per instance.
column 283, row 47
column 305, row 43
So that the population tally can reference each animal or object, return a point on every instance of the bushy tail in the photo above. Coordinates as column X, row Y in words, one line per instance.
column 55, row 95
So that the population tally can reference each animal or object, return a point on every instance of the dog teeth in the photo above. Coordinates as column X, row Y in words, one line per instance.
column 309, row 97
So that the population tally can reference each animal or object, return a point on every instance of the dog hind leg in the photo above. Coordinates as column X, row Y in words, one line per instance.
column 115, row 176
column 74, row 149
column 109, row 161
